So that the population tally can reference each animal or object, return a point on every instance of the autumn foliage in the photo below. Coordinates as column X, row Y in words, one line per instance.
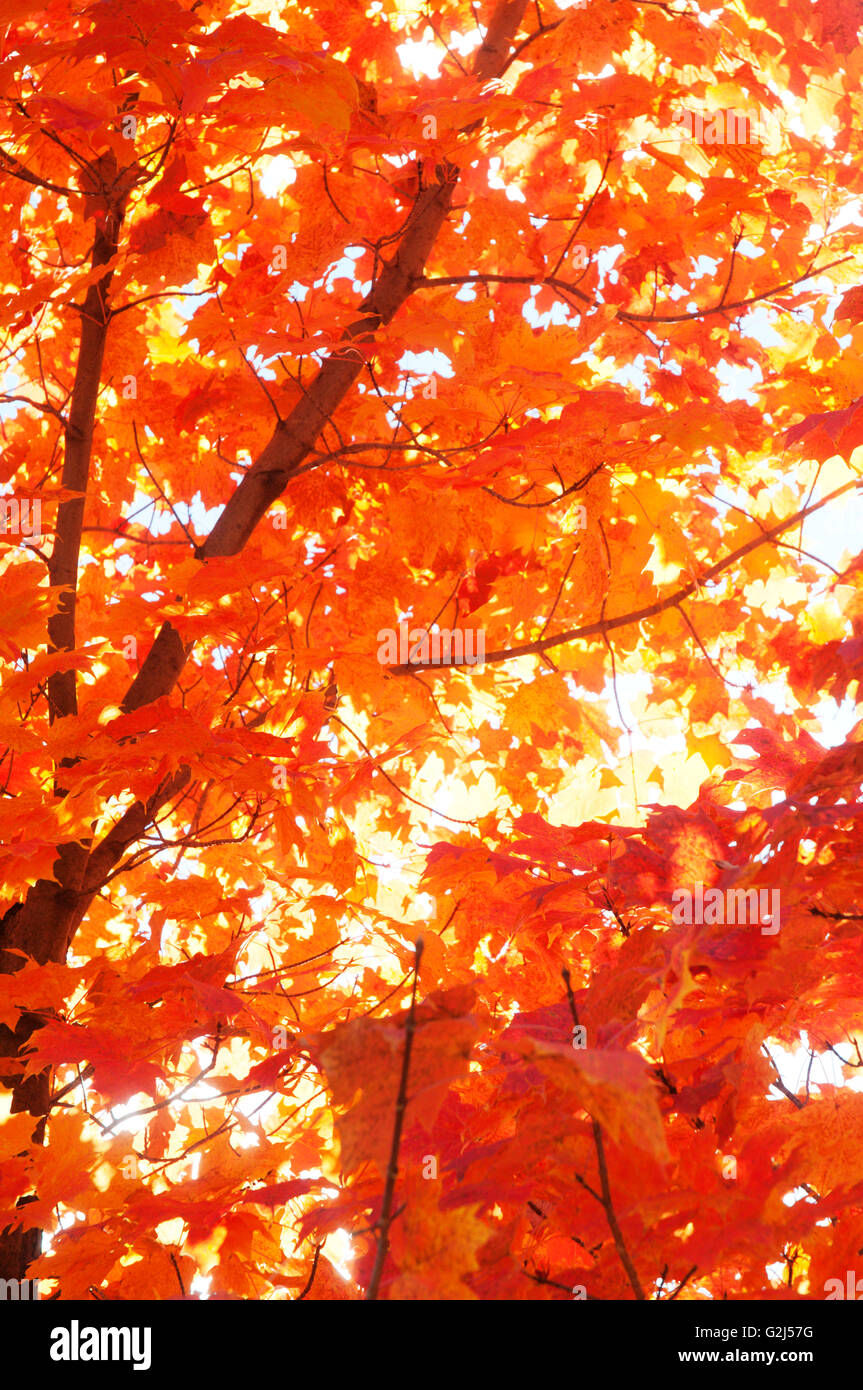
column 328, row 978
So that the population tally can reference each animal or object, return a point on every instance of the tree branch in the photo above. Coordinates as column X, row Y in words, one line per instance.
column 63, row 567
column 627, row 315
column 605, row 625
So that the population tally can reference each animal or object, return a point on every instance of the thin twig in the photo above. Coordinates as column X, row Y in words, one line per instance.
column 179, row 1275
column 311, row 1278
column 606, row 1200
column 682, row 1283
column 779, row 1083
column 386, row 1220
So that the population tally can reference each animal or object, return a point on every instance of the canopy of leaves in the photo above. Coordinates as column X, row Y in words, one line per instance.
column 319, row 320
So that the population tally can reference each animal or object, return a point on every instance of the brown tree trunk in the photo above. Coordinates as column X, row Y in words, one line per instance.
column 42, row 926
